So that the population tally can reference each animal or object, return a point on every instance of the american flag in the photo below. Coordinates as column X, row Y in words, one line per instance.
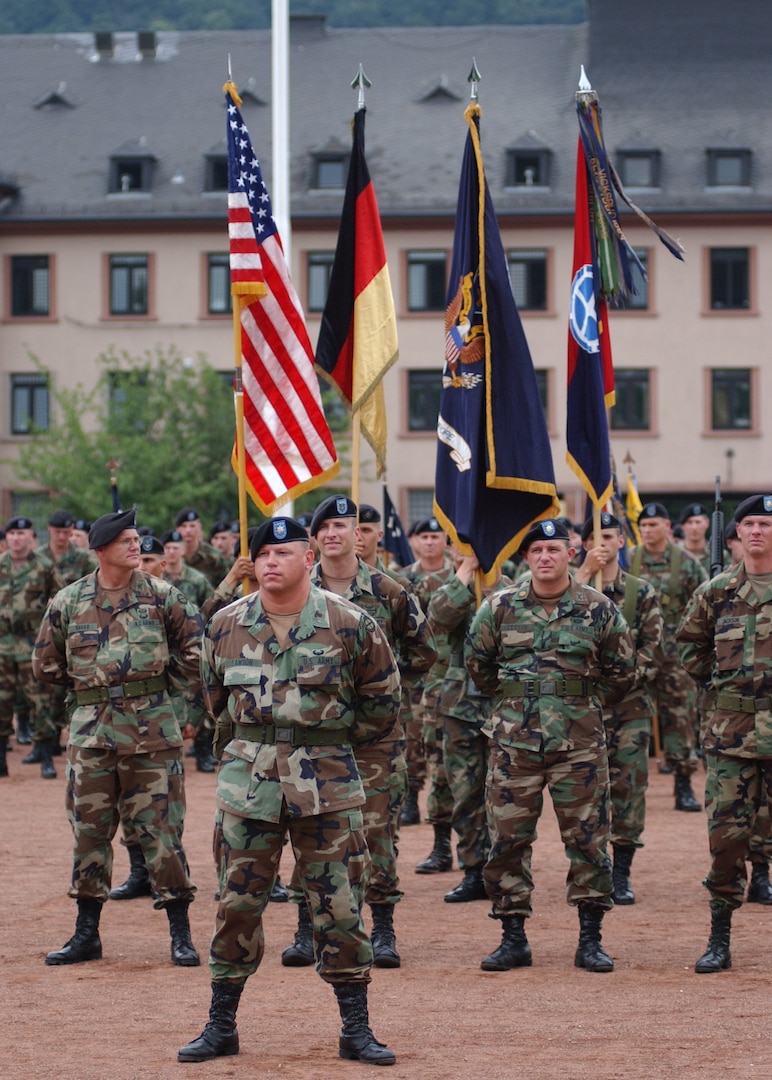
column 288, row 445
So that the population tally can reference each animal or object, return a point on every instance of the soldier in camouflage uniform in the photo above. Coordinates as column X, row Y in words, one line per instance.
column 552, row 654
column 28, row 580
column 198, row 553
column 463, row 711
column 191, row 582
column 297, row 679
column 725, row 643
column 430, row 543
column 695, row 522
column 675, row 576
column 71, row 563
column 628, row 723
column 382, row 767
column 123, row 643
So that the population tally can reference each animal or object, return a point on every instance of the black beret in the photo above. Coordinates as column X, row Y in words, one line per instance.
column 171, row 536
column 607, row 521
column 652, row 510
column 279, row 530
column 188, row 514
column 760, row 505
column 2, row 534
column 305, row 519
column 551, row 529
column 730, row 532
column 61, row 519
column 693, row 510
column 150, row 545
column 106, row 528
column 430, row 524
column 218, row 527
column 337, row 506
column 81, row 525
column 19, row 523
column 144, row 530
column 369, row 514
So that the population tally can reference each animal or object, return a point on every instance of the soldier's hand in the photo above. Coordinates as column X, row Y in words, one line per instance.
column 465, row 570
column 188, row 732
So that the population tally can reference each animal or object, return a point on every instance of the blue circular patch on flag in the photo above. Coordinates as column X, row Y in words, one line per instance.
column 583, row 318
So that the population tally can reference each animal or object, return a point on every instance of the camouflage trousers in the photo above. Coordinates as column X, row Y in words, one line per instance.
column 439, row 801
column 628, row 763
column 380, row 815
column 579, row 785
column 333, row 863
column 414, row 750
column 465, row 753
column 735, row 790
column 17, row 683
column 675, row 699
column 151, row 787
column 761, row 837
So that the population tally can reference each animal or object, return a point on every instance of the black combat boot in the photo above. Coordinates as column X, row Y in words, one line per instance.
column 23, row 730
column 3, row 752
column 357, row 1042
column 301, row 952
column 471, row 887
column 684, row 796
column 514, row 950
column 440, row 858
column 220, row 1037
column 84, row 943
column 590, row 954
column 279, row 894
column 47, row 770
column 205, row 760
column 35, row 756
column 182, row 949
column 410, row 814
column 717, row 956
column 383, row 939
column 759, row 890
column 620, row 874
column 138, row 881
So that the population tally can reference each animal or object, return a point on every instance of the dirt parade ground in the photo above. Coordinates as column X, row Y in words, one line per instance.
column 125, row 1016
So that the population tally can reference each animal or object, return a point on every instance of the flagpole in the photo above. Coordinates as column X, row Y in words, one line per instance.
column 356, row 430
column 360, row 83
column 241, row 457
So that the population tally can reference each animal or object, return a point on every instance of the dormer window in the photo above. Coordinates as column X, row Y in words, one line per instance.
column 528, row 168
column 131, row 170
column 729, row 168
column 329, row 172
column 639, row 168
column 216, row 172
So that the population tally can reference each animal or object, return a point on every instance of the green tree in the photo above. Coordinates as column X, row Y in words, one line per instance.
column 166, row 421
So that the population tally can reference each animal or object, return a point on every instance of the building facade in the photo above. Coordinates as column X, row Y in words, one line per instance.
column 113, row 227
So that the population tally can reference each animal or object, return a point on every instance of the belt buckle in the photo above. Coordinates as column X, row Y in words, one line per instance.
column 529, row 688
column 284, row 734
column 114, row 692
column 548, row 686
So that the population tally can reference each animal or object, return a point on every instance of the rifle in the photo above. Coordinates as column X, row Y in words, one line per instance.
column 717, row 534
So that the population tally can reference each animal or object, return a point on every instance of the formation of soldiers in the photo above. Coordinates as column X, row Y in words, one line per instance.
column 327, row 697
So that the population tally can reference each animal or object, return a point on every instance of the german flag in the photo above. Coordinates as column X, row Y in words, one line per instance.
column 358, row 335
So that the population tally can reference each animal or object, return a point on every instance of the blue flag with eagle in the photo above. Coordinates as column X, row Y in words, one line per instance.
column 494, row 474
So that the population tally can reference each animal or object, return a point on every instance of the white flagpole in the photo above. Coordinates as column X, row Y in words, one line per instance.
column 280, row 104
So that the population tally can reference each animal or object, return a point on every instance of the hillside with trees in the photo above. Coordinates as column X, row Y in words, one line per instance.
column 72, row 16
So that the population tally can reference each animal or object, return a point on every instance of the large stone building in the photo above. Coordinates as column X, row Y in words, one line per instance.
column 113, row 213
